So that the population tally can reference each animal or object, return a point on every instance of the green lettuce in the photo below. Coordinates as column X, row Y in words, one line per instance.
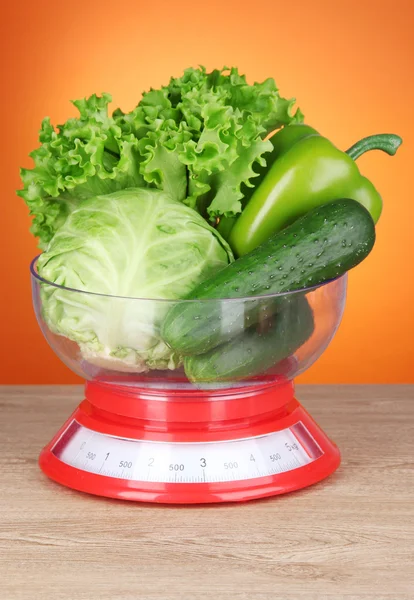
column 136, row 243
column 200, row 139
column 87, row 156
column 217, row 124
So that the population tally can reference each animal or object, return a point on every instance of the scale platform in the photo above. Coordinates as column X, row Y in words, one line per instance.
column 187, row 447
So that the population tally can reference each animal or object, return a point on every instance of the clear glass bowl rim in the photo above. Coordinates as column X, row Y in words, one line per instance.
column 305, row 290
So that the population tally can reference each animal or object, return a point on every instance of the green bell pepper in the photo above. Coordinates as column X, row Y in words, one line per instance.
column 306, row 170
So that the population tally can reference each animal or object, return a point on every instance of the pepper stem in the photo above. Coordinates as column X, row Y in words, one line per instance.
column 387, row 142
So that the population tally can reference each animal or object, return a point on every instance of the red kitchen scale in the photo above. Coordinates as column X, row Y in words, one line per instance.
column 156, row 437
column 188, row 447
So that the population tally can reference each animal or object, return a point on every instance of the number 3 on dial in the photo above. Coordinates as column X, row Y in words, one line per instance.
column 203, row 462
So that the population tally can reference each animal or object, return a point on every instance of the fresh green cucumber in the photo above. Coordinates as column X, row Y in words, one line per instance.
column 323, row 244
column 255, row 351
column 214, row 322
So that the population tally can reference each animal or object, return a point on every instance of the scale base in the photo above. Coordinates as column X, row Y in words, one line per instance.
column 321, row 456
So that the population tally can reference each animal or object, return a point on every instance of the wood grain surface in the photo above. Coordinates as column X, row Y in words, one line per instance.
column 350, row 537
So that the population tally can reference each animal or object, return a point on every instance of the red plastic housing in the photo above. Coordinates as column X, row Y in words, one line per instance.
column 190, row 416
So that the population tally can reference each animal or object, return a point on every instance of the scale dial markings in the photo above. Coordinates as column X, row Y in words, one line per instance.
column 186, row 462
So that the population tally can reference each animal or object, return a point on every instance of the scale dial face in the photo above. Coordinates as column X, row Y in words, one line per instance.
column 181, row 462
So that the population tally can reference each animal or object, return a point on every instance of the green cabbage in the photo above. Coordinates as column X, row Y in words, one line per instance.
column 136, row 243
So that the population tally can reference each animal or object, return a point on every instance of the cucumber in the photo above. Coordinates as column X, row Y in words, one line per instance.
column 213, row 323
column 255, row 351
column 323, row 244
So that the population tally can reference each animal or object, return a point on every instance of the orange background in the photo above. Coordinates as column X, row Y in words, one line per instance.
column 349, row 64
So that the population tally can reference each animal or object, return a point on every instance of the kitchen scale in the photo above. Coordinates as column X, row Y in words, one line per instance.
column 189, row 448
column 154, row 437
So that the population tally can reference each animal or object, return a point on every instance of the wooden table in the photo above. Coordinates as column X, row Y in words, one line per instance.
column 350, row 537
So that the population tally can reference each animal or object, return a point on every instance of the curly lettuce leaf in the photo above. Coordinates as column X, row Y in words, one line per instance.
column 261, row 100
column 86, row 157
column 161, row 165
column 225, row 121
column 226, row 185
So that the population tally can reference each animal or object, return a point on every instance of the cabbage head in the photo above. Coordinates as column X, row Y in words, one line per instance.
column 121, row 251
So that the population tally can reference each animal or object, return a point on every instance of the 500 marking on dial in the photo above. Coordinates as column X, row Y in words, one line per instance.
column 143, row 460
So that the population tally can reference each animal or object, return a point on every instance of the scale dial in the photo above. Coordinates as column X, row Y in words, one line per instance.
column 186, row 462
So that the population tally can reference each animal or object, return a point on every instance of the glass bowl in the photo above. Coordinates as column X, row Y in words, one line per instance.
column 188, row 344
